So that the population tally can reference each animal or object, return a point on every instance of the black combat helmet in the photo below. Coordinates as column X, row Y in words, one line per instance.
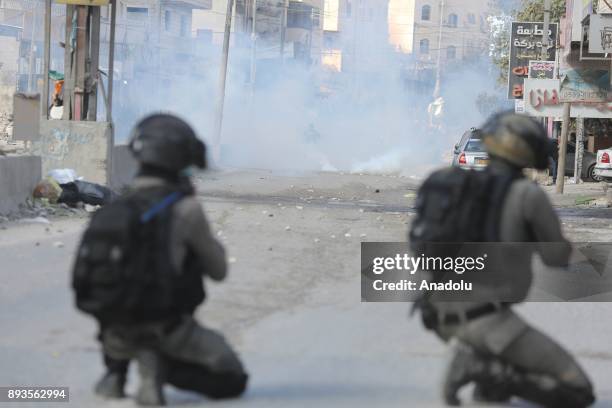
column 166, row 142
column 517, row 139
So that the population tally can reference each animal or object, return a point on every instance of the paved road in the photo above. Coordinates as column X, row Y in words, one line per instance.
column 291, row 305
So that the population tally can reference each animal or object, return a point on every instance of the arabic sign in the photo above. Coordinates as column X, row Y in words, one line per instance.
column 585, row 85
column 542, row 69
column 600, row 34
column 542, row 99
column 525, row 46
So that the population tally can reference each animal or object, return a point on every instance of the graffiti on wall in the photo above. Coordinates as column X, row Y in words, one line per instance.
column 58, row 144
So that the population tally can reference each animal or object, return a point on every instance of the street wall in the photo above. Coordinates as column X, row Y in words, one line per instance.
column 123, row 168
column 82, row 146
column 18, row 177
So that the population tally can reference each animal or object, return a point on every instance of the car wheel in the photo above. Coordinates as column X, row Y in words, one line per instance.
column 592, row 176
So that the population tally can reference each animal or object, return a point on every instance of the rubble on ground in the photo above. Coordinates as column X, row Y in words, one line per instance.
column 42, row 211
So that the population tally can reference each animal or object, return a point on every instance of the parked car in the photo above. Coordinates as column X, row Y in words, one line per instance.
column 603, row 168
column 469, row 152
column 589, row 161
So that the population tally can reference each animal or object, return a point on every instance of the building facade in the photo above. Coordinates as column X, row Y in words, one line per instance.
column 453, row 30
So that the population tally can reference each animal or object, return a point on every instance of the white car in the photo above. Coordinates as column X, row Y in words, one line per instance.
column 603, row 168
column 469, row 152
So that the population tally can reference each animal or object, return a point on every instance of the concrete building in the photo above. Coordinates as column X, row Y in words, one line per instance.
column 576, row 39
column 209, row 25
column 157, row 33
column 355, row 34
column 455, row 30
column 299, row 22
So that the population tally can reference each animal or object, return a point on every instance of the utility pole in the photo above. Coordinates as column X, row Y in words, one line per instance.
column 31, row 72
column 545, row 36
column 563, row 148
column 579, row 150
column 253, row 46
column 544, row 56
column 438, row 86
column 222, row 78
column 562, row 142
column 283, row 32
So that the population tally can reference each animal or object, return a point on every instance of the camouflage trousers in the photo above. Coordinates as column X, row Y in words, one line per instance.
column 194, row 358
column 544, row 372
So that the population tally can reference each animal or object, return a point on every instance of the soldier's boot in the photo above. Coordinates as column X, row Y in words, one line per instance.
column 491, row 392
column 550, row 392
column 151, row 370
column 111, row 385
column 465, row 367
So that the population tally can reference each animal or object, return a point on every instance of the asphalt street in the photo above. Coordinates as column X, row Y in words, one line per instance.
column 291, row 305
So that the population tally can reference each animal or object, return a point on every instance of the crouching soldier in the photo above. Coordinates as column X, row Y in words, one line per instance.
column 498, row 351
column 139, row 271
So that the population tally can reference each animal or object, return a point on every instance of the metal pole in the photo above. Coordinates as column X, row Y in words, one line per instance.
column 579, row 150
column 563, row 148
column 437, row 89
column 545, row 44
column 31, row 57
column 283, row 32
column 44, row 102
column 222, row 78
column 545, row 30
column 111, row 62
column 253, row 46
column 68, row 64
column 94, row 65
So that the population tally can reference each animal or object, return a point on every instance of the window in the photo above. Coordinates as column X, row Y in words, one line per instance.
column 316, row 17
column 184, row 26
column 348, row 9
column 470, row 47
column 453, row 20
column 167, row 20
column 451, row 52
column 426, row 13
column 471, row 18
column 300, row 15
column 424, row 46
column 331, row 9
column 474, row 145
column 137, row 13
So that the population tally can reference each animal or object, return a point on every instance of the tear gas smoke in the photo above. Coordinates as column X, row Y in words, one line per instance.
column 368, row 118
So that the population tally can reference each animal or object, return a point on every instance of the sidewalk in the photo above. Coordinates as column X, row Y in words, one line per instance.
column 582, row 195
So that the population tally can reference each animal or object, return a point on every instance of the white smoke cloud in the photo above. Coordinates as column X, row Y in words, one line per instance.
column 369, row 121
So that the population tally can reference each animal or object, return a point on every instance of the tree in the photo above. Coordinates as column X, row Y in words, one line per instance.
column 533, row 10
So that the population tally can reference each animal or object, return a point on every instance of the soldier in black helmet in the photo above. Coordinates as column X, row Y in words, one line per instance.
column 496, row 349
column 140, row 269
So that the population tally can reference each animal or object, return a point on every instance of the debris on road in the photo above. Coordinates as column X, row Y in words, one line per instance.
column 36, row 220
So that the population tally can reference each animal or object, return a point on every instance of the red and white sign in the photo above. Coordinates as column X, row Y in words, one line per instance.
column 542, row 100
